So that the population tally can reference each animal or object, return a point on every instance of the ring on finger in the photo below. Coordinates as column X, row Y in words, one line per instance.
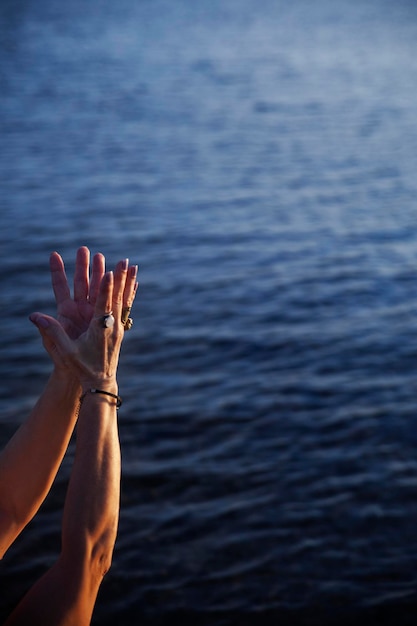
column 107, row 320
column 126, row 320
column 128, row 324
column 125, row 314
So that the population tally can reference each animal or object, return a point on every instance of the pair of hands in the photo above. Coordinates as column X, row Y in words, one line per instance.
column 76, row 341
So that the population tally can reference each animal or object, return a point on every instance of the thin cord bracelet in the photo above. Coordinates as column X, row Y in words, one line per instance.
column 118, row 399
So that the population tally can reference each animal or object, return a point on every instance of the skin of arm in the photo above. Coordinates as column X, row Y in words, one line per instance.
column 40, row 443
column 66, row 594
column 30, row 461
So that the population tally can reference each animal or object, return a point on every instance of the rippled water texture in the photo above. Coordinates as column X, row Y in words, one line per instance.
column 258, row 160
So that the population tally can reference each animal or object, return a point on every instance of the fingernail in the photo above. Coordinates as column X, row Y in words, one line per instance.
column 125, row 264
column 41, row 322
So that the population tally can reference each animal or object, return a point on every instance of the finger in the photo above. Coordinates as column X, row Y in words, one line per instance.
column 99, row 266
column 120, row 276
column 105, row 296
column 129, row 295
column 130, row 287
column 52, row 333
column 59, row 279
column 81, row 278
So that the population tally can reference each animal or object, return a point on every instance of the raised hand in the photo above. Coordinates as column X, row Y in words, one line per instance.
column 76, row 314
column 84, row 344
column 80, row 317
column 98, row 349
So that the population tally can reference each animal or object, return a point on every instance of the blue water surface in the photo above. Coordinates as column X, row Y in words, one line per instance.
column 258, row 159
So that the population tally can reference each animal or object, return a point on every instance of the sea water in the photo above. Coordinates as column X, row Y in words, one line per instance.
column 258, row 160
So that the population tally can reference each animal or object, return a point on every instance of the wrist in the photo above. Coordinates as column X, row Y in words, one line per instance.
column 104, row 384
column 105, row 396
column 62, row 379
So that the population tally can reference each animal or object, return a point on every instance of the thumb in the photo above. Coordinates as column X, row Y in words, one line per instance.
column 42, row 322
column 55, row 340
column 50, row 330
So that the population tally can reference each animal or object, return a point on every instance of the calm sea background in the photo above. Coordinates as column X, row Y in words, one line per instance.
column 258, row 160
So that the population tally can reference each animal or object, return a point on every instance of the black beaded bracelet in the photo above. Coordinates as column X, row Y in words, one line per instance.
column 118, row 399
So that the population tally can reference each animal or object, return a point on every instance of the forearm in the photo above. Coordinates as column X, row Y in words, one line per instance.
column 92, row 503
column 67, row 592
column 30, row 461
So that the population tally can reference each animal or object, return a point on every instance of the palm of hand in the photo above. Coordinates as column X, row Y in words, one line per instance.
column 75, row 317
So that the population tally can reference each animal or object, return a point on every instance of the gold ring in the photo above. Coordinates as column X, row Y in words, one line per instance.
column 128, row 323
column 125, row 314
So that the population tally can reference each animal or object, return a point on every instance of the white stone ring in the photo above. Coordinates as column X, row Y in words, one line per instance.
column 107, row 320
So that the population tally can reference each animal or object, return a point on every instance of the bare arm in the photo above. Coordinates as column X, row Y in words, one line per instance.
column 30, row 461
column 66, row 594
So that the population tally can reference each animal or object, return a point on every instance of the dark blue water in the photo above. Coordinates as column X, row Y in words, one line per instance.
column 258, row 159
